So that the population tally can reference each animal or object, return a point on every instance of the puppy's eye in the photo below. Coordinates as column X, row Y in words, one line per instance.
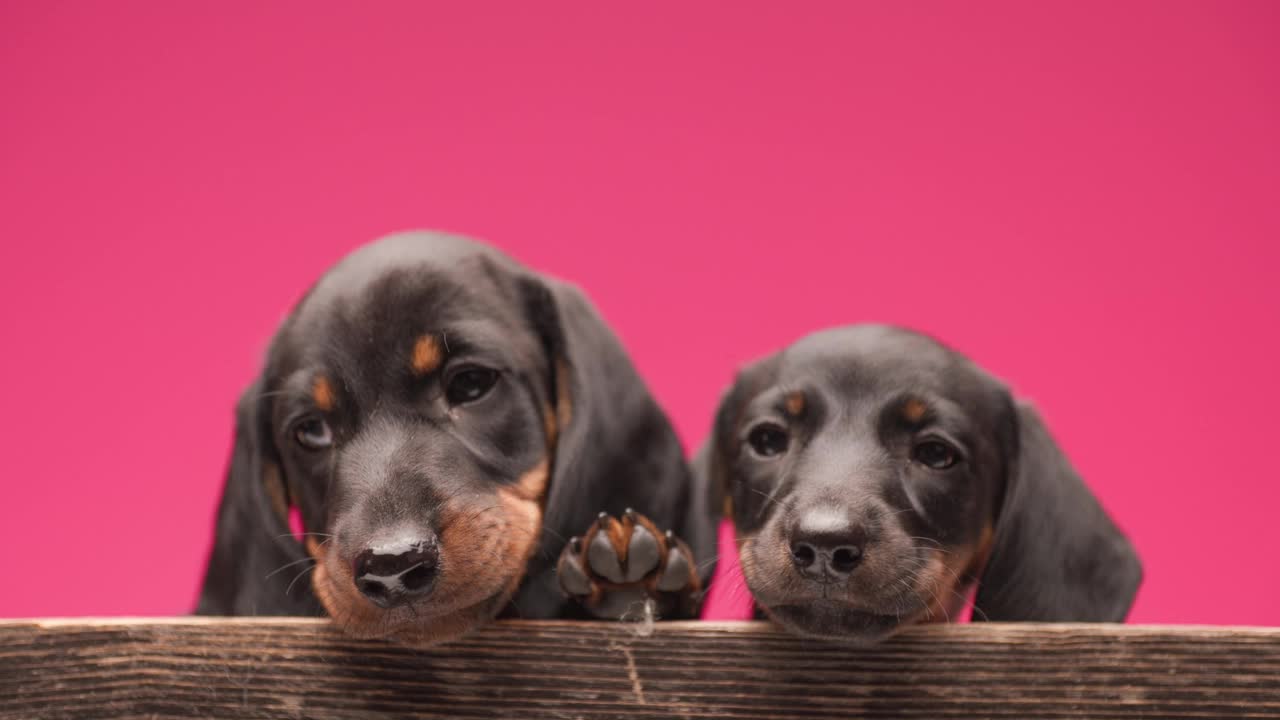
column 313, row 434
column 767, row 440
column 934, row 454
column 470, row 384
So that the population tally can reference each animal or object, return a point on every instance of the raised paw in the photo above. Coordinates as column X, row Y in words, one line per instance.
column 620, row 564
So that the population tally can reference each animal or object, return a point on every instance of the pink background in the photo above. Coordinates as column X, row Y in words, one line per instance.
column 1082, row 196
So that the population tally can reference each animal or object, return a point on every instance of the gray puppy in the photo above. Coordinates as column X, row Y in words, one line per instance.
column 874, row 476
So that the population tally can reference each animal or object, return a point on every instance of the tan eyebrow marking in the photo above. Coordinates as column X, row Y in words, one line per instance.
column 426, row 355
column 322, row 393
column 794, row 404
column 913, row 410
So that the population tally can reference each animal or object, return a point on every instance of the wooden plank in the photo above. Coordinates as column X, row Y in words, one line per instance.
column 296, row 668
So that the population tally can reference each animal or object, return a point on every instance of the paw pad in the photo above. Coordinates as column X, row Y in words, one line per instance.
column 621, row 562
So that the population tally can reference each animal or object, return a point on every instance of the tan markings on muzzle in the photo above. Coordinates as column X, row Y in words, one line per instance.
column 485, row 551
column 795, row 404
column 947, row 577
column 913, row 410
column 426, row 355
column 530, row 486
column 322, row 393
column 360, row 619
column 522, row 505
column 315, row 548
column 484, row 556
column 332, row 583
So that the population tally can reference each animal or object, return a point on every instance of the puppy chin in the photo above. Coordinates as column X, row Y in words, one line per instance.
column 418, row 625
column 438, row 629
column 834, row 621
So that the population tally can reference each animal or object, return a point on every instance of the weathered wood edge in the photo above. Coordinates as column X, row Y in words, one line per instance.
column 298, row 667
column 667, row 626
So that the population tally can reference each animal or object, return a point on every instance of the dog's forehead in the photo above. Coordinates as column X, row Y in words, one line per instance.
column 401, row 268
column 876, row 357
column 377, row 299
column 387, row 294
column 440, row 252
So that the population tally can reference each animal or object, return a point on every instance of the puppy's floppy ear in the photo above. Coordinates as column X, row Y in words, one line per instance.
column 1056, row 555
column 712, row 462
column 614, row 446
column 252, row 538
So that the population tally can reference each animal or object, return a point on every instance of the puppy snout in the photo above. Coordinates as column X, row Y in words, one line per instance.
column 826, row 543
column 393, row 573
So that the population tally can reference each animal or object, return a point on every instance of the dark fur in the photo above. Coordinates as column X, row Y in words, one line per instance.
column 402, row 455
column 1054, row 554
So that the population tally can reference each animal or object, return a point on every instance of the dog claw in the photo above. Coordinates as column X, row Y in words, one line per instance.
column 642, row 554
column 619, row 563
column 675, row 577
column 572, row 578
column 602, row 558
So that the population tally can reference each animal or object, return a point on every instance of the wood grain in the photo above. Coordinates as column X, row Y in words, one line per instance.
column 293, row 668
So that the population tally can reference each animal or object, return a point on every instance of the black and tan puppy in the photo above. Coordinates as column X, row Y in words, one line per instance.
column 444, row 420
column 874, row 476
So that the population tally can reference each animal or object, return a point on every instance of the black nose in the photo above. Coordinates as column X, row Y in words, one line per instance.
column 394, row 573
column 826, row 544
